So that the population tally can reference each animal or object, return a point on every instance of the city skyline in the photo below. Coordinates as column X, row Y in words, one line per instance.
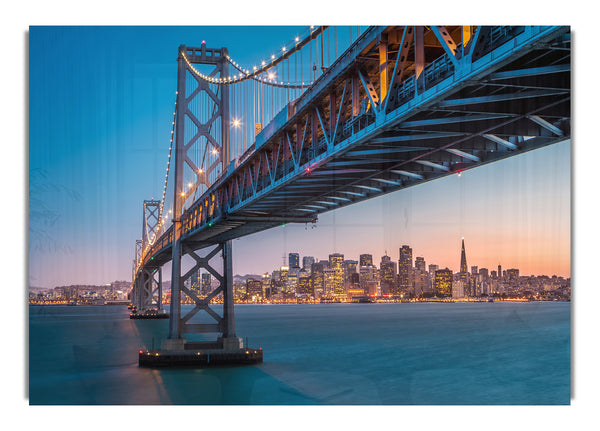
column 85, row 201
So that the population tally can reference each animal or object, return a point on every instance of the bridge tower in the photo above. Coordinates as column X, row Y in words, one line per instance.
column 202, row 125
column 148, row 286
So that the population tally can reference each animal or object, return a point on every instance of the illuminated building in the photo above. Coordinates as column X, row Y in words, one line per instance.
column 367, row 275
column 239, row 291
column 387, row 270
column 371, row 288
column 349, row 269
column 355, row 289
column 483, row 274
column 292, row 280
column 499, row 275
column 316, row 274
column 283, row 274
column 512, row 274
column 195, row 282
column 266, row 282
column 463, row 263
column 474, row 270
column 254, row 289
column 405, row 270
column 458, row 289
column 304, row 286
column 420, row 282
column 329, row 282
column 366, row 260
column 206, row 283
column 294, row 260
column 443, row 283
column 307, row 262
column 420, row 264
column 336, row 263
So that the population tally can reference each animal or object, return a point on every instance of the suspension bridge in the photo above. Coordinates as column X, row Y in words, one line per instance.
column 322, row 125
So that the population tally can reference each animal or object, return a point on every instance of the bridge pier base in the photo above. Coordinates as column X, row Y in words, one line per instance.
column 227, row 349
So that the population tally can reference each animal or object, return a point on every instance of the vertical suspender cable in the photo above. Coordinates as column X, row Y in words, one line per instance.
column 310, row 62
column 328, row 47
column 322, row 56
column 335, row 38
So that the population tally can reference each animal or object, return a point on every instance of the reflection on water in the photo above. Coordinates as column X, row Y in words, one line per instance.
column 424, row 354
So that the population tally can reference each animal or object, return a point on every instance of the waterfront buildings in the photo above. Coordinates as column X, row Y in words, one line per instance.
column 405, row 270
column 443, row 283
column 342, row 279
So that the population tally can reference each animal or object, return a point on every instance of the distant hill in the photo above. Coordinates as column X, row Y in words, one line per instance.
column 242, row 278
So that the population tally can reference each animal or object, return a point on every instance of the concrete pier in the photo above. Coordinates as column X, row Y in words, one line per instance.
column 181, row 353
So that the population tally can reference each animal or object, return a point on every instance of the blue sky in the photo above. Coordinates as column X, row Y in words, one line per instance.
column 101, row 101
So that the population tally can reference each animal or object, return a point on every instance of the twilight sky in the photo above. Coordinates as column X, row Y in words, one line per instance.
column 100, row 110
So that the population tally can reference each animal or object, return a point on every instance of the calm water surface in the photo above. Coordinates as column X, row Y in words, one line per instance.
column 423, row 354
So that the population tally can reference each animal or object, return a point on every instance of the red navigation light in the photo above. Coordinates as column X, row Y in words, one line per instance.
column 459, row 171
column 141, row 352
column 308, row 169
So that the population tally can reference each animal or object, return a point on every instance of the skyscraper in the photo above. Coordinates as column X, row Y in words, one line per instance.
column 329, row 283
column 388, row 276
column 254, row 289
column 316, row 274
column 405, row 269
column 294, row 260
column 307, row 262
column 443, row 283
column 206, row 283
column 463, row 262
column 367, row 276
column 336, row 262
column 420, row 263
column 366, row 260
column 304, row 286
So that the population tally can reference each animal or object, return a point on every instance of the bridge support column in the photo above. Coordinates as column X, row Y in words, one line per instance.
column 228, row 319
column 175, row 306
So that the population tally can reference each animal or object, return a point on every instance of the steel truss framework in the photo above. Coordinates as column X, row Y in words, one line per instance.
column 184, row 142
column 403, row 105
column 151, row 222
column 148, row 292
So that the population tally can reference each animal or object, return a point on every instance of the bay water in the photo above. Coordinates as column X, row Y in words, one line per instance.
column 314, row 354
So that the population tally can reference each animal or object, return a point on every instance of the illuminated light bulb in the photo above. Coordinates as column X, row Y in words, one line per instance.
column 283, row 49
column 297, row 38
column 272, row 56
column 263, row 63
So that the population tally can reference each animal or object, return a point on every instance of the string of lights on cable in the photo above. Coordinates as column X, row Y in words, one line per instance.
column 257, row 71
